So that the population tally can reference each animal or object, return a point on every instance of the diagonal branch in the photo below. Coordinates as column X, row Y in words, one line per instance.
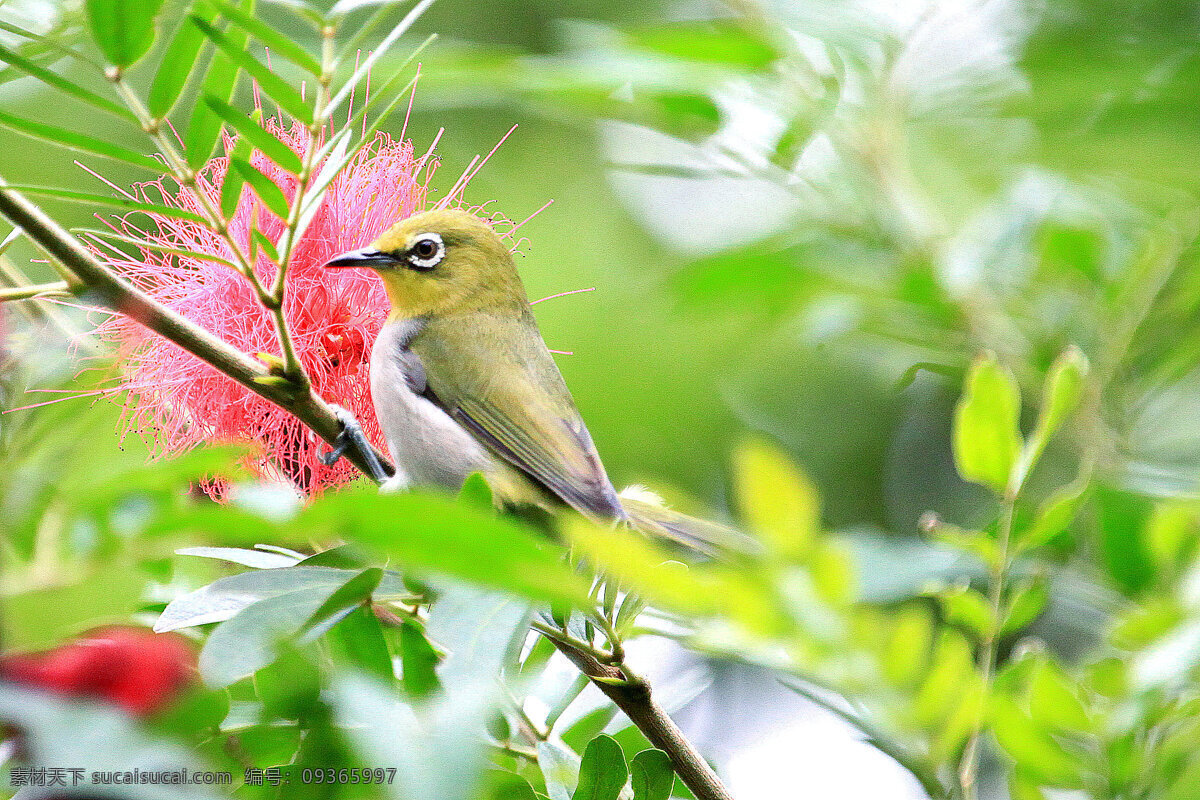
column 121, row 296
column 631, row 694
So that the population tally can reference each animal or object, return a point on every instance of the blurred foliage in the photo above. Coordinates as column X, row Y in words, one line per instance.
column 806, row 221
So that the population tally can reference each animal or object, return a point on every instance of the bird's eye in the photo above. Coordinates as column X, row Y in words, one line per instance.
column 427, row 251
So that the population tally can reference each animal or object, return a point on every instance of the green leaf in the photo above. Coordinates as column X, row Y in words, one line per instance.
column 233, row 181
column 204, row 129
column 475, row 491
column 964, row 606
column 419, row 661
column 266, row 189
column 272, row 38
column 248, row 641
column 602, row 772
column 481, row 632
column 987, row 439
column 906, row 653
column 1053, row 700
column 123, row 29
column 560, row 769
column 223, row 598
column 259, row 559
column 108, row 200
column 777, row 500
column 253, row 133
column 351, row 595
column 358, row 640
column 271, row 84
column 1034, row 750
column 430, row 533
column 259, row 240
column 952, row 668
column 717, row 43
column 55, row 80
column 1025, row 605
column 81, row 142
column 177, row 64
column 1060, row 396
column 651, row 775
column 503, row 785
column 1054, row 514
column 1142, row 625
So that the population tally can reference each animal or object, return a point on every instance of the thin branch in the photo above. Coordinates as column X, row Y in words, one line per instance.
column 122, row 297
column 631, row 694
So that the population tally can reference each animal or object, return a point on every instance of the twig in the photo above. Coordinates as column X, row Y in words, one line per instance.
column 631, row 694
column 55, row 289
column 988, row 652
column 122, row 297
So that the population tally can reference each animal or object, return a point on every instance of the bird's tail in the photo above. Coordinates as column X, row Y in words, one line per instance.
column 648, row 514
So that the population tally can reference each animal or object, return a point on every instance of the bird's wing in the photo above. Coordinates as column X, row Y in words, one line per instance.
column 507, row 391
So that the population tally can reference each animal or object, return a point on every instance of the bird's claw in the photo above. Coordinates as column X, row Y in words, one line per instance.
column 352, row 436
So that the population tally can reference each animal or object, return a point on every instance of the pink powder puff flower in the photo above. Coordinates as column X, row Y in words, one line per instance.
column 174, row 400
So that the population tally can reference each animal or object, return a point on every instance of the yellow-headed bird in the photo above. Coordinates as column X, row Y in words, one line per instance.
column 462, row 381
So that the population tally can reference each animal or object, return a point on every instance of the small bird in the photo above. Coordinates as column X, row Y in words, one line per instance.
column 462, row 381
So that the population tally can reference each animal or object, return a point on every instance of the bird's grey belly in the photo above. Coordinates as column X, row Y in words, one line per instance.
column 428, row 447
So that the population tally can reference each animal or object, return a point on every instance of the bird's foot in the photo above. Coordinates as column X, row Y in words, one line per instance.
column 352, row 436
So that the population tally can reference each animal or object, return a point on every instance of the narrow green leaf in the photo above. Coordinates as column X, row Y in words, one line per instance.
column 266, row 189
column 987, row 440
column 79, row 141
column 253, row 133
column 272, row 38
column 233, row 180
column 123, row 29
column 177, row 64
column 271, row 84
column 602, row 772
column 108, row 200
column 651, row 775
column 258, row 238
column 204, row 129
column 419, row 661
column 55, row 80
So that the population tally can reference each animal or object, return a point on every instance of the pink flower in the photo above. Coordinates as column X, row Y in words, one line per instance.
column 174, row 400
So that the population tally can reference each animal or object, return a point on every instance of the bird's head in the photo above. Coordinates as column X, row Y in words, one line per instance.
column 440, row 262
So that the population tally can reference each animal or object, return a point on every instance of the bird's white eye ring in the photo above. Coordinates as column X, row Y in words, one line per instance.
column 427, row 251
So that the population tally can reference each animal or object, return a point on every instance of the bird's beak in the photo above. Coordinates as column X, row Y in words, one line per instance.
column 366, row 257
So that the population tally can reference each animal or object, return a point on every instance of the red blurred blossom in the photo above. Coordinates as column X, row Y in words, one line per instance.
column 176, row 401
column 133, row 668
